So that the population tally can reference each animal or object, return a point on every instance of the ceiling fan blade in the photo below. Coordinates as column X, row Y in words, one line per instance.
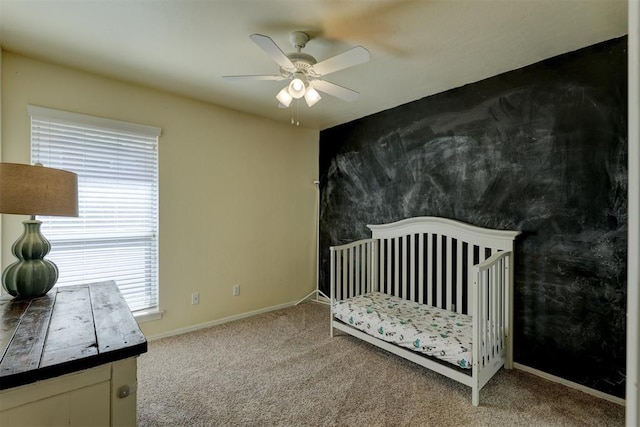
column 343, row 60
column 335, row 90
column 256, row 77
column 271, row 48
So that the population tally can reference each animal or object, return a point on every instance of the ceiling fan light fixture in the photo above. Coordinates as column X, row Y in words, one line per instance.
column 304, row 71
column 284, row 97
column 297, row 88
column 312, row 96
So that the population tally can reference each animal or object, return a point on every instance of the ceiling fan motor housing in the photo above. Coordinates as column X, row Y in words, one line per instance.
column 302, row 62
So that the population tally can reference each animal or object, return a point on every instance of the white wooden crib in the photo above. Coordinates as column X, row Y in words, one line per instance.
column 433, row 262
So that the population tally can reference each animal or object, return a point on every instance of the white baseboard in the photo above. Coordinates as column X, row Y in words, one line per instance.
column 324, row 300
column 570, row 384
column 219, row 321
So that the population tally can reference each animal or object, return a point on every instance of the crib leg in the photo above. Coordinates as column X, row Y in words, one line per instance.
column 475, row 396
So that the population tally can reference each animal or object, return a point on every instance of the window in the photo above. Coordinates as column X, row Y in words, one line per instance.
column 115, row 236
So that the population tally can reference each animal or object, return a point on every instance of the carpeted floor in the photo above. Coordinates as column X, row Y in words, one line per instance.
column 282, row 369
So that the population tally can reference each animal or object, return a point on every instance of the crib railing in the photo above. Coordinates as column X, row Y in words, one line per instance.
column 492, row 317
column 352, row 269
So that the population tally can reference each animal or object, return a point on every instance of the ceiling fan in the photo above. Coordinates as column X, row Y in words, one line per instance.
column 304, row 71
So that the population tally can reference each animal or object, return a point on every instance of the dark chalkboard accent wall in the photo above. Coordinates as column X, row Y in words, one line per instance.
column 542, row 149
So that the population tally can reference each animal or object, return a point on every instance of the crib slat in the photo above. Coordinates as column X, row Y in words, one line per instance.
column 380, row 271
column 483, row 318
column 345, row 274
column 389, row 265
column 508, row 301
column 421, row 267
column 399, row 261
column 356, row 270
column 337, row 277
column 404, row 259
column 367, row 267
column 496, row 313
column 470, row 278
column 487, row 318
column 396, row 262
column 491, row 312
column 430, row 269
column 412, row 266
column 350, row 280
column 369, row 261
column 339, row 271
column 449, row 278
column 493, row 306
column 490, row 317
column 381, row 263
column 459, row 279
column 409, row 266
column 505, row 302
column 482, row 315
column 332, row 274
column 503, row 321
column 498, row 303
column 487, row 313
column 439, row 282
column 373, row 267
column 358, row 267
column 363, row 262
column 376, row 266
column 363, row 269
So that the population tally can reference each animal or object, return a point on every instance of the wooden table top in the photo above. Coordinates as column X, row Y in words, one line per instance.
column 70, row 329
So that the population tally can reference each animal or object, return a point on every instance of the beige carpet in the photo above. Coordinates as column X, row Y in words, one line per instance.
column 282, row 369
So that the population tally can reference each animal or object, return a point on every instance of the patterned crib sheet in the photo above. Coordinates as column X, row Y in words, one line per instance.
column 430, row 330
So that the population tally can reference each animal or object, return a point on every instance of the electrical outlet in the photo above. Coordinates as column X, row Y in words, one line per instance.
column 195, row 298
column 236, row 290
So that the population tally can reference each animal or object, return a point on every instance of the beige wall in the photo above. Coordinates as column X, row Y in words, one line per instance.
column 237, row 200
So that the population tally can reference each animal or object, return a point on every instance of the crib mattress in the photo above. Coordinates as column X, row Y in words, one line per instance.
column 430, row 330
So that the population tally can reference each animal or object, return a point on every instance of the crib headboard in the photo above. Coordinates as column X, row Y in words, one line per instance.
column 479, row 236
column 423, row 259
column 447, row 248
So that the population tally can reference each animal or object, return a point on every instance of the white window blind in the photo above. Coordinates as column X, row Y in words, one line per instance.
column 115, row 236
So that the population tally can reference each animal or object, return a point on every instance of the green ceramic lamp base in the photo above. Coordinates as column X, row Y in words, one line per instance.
column 31, row 276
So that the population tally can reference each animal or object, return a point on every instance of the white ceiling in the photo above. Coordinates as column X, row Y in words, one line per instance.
column 418, row 47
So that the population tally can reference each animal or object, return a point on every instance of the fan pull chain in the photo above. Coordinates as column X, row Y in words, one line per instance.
column 296, row 121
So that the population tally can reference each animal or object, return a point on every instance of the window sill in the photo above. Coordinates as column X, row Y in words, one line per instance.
column 148, row 315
